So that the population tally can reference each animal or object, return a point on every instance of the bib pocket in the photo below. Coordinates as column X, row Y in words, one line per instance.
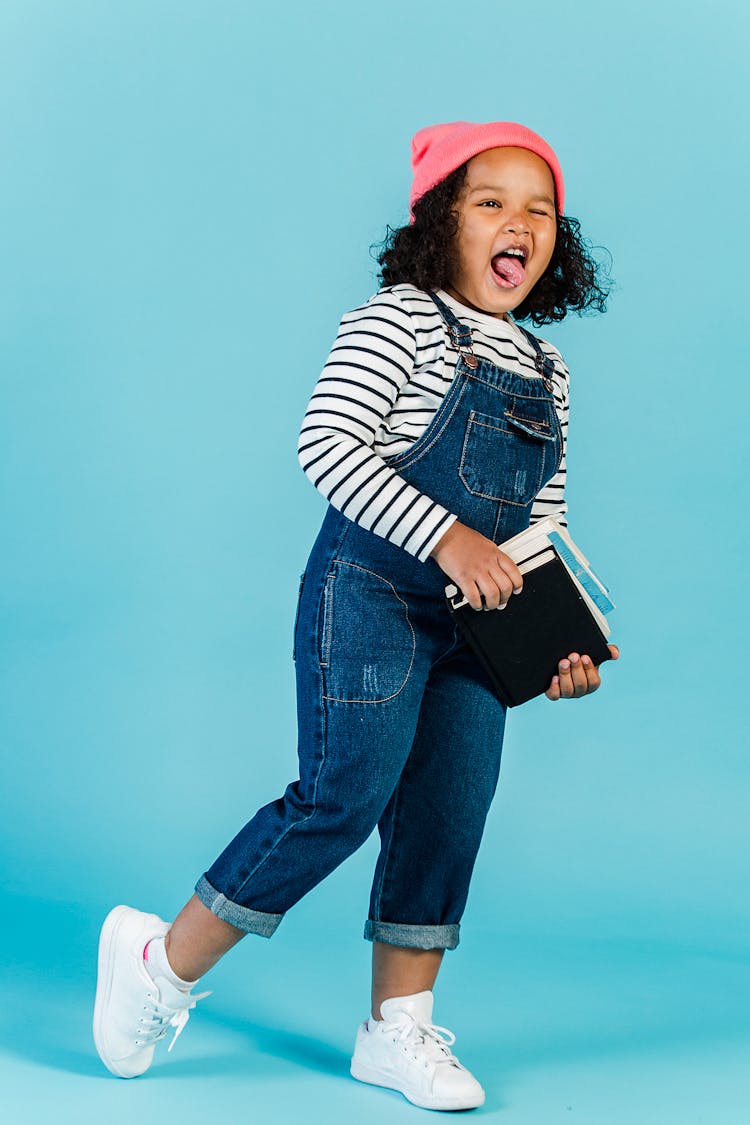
column 503, row 458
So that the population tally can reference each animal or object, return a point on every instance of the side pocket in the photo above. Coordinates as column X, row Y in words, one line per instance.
column 296, row 615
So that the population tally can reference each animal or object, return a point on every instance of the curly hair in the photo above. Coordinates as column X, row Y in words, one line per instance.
column 425, row 254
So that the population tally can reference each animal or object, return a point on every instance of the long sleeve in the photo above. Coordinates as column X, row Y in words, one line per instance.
column 371, row 359
column 550, row 500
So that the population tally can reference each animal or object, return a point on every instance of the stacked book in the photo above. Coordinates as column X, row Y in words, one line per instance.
column 560, row 610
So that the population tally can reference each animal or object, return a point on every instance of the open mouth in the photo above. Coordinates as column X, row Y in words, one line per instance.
column 509, row 267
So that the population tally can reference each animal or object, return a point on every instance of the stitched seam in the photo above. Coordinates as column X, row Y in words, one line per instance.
column 325, row 632
column 338, row 699
column 296, row 616
column 296, row 823
column 477, row 418
column 497, row 386
column 558, row 428
column 409, row 462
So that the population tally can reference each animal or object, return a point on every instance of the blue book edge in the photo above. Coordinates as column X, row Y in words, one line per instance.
column 594, row 587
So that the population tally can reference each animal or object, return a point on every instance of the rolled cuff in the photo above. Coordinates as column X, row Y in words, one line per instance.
column 251, row 921
column 412, row 937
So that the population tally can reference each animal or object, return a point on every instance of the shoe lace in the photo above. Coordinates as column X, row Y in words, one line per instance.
column 154, row 1024
column 434, row 1040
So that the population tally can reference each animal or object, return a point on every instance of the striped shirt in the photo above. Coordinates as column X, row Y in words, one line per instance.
column 387, row 373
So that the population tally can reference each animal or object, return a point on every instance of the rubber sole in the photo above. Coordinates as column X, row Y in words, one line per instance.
column 105, row 965
column 374, row 1077
column 113, row 923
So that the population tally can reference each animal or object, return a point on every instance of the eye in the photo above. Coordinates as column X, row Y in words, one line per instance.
column 545, row 213
column 489, row 202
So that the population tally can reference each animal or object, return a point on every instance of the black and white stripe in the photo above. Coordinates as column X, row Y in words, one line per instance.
column 388, row 370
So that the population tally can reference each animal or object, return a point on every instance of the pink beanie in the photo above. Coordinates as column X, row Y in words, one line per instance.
column 438, row 150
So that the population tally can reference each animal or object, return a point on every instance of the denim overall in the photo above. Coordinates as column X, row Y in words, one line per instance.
column 398, row 726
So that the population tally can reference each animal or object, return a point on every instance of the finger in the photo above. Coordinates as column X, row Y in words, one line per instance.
column 500, row 590
column 615, row 651
column 489, row 592
column 578, row 675
column 566, row 679
column 510, row 568
column 592, row 673
column 473, row 595
column 495, row 587
column 553, row 691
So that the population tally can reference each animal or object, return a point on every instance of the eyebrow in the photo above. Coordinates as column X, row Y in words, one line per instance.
column 498, row 188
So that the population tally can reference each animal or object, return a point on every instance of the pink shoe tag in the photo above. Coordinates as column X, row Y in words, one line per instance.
column 145, row 950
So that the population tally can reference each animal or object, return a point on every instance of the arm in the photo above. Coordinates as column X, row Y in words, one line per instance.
column 371, row 359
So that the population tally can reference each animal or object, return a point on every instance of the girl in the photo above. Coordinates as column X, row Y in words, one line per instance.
column 436, row 431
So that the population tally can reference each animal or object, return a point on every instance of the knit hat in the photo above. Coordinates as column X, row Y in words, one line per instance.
column 438, row 150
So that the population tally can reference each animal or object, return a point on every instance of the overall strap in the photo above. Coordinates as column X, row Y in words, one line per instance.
column 542, row 362
column 460, row 333
column 462, row 340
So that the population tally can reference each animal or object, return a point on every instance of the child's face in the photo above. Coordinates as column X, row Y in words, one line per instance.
column 507, row 200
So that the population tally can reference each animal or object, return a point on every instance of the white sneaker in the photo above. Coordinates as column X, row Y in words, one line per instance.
column 132, row 1011
column 405, row 1051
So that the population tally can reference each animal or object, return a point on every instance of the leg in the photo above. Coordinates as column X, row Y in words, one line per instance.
column 358, row 705
column 133, row 1010
column 400, row 972
column 431, row 830
column 197, row 939
column 430, row 834
column 361, row 668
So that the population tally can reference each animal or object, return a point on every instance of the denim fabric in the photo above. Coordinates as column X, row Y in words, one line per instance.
column 397, row 724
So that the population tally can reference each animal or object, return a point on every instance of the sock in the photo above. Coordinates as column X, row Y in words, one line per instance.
column 157, row 965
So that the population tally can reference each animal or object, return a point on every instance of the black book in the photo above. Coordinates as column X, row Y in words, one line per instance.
column 520, row 646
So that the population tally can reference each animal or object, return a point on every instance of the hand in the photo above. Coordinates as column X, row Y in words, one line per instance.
column 485, row 575
column 578, row 676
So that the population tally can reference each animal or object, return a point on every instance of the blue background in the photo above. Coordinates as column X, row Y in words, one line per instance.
column 188, row 196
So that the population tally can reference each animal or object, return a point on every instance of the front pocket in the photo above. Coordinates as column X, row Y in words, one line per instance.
column 367, row 640
column 503, row 458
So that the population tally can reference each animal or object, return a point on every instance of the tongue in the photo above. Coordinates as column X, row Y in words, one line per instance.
column 509, row 270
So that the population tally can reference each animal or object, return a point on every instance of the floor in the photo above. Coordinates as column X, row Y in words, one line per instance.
column 558, row 1031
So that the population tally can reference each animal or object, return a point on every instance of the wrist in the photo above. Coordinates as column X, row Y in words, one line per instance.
column 446, row 538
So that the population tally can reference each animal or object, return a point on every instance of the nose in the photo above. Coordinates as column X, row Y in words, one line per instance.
column 516, row 223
